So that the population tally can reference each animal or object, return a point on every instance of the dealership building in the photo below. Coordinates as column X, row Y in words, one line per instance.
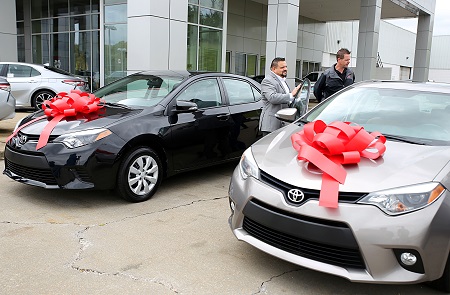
column 106, row 39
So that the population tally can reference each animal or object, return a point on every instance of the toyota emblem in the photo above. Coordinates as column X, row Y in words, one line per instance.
column 295, row 195
column 23, row 139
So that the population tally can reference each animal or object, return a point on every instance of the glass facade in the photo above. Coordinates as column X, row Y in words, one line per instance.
column 204, row 36
column 66, row 34
column 63, row 34
column 115, row 46
column 246, row 64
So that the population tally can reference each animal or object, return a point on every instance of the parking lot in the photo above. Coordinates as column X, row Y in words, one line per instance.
column 179, row 242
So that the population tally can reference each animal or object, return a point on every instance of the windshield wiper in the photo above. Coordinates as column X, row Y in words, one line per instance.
column 403, row 139
column 115, row 104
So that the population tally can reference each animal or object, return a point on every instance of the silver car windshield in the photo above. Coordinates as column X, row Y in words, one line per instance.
column 138, row 90
column 423, row 117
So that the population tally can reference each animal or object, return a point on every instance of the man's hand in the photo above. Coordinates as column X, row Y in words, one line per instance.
column 296, row 89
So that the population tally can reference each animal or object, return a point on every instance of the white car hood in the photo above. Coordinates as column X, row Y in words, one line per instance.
column 402, row 164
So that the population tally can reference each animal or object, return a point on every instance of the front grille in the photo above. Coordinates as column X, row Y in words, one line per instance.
column 37, row 174
column 31, row 137
column 345, row 197
column 320, row 240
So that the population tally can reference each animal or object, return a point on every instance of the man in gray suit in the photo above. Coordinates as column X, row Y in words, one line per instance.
column 275, row 95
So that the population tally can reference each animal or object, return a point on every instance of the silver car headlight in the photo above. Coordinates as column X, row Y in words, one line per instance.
column 81, row 138
column 405, row 199
column 247, row 165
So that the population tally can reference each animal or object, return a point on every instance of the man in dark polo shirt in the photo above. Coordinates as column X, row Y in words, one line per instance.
column 336, row 77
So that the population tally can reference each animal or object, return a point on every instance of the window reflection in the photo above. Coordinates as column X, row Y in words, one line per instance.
column 80, row 6
column 204, row 44
column 41, row 49
column 59, row 7
column 216, row 4
column 193, row 14
column 116, row 13
column 192, row 39
column 115, row 52
column 70, row 43
column 80, row 23
column 210, row 49
column 39, row 8
column 211, row 17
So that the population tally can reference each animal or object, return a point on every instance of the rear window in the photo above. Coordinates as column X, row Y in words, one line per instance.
column 59, row 71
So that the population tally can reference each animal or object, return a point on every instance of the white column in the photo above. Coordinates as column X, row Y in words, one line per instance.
column 8, row 45
column 282, row 30
column 369, row 30
column 423, row 47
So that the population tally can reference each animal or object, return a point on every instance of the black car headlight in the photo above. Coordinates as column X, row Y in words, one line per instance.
column 404, row 199
column 81, row 138
column 247, row 165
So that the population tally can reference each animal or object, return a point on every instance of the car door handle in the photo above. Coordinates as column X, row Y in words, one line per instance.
column 223, row 117
column 32, row 81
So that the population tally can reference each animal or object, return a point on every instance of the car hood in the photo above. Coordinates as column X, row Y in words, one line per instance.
column 402, row 164
column 103, row 118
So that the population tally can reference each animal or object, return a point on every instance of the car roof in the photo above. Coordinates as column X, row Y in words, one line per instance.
column 186, row 73
column 406, row 85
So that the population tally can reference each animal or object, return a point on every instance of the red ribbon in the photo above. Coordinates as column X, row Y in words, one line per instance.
column 329, row 146
column 61, row 106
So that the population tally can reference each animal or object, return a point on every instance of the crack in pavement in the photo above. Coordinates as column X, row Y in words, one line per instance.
column 84, row 244
column 263, row 289
column 166, row 209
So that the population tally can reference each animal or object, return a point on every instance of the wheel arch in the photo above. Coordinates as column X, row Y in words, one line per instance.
column 147, row 140
column 36, row 91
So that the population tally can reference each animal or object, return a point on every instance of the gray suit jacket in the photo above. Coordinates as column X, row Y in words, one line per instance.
column 274, row 98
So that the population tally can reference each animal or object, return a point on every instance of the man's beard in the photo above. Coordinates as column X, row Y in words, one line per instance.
column 284, row 74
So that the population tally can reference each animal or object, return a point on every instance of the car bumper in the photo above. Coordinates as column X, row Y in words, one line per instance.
column 357, row 242
column 55, row 166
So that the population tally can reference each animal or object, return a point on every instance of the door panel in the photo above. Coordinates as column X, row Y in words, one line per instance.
column 23, row 80
column 201, row 138
column 245, row 108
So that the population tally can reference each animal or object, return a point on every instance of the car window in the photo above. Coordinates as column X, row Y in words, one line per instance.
column 313, row 77
column 138, row 90
column 205, row 93
column 238, row 91
column 421, row 115
column 15, row 71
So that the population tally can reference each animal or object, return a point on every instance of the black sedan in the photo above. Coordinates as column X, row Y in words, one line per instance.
column 149, row 126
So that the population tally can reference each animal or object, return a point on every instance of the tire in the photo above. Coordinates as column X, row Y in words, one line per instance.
column 140, row 175
column 443, row 283
column 39, row 97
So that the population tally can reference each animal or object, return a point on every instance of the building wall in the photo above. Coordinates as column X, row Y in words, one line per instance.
column 157, row 34
column 8, row 44
column 247, row 30
column 439, row 59
column 311, row 39
column 396, row 46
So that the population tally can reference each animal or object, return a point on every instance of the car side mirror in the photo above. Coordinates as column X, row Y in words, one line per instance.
column 287, row 115
column 184, row 106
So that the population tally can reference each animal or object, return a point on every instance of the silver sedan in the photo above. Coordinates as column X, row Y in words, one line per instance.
column 31, row 84
column 381, row 218
column 7, row 101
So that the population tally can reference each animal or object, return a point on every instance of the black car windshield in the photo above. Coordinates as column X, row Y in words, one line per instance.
column 138, row 90
column 416, row 116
